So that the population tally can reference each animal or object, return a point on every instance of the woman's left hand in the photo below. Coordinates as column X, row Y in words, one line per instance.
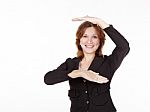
column 94, row 77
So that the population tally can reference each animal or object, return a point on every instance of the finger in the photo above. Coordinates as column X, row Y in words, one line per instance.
column 102, row 76
column 93, row 72
column 88, row 17
column 101, row 79
column 105, row 81
column 78, row 19
column 81, row 18
column 101, row 82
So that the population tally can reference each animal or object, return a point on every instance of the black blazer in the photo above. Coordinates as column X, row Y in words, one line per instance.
column 89, row 96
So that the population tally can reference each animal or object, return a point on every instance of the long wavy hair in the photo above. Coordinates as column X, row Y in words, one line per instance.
column 80, row 32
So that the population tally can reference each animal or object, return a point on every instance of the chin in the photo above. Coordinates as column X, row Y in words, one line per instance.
column 89, row 52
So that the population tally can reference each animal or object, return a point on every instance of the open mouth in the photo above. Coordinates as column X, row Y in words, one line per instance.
column 89, row 46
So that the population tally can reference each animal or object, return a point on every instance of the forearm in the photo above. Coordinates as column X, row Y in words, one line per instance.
column 53, row 77
column 76, row 73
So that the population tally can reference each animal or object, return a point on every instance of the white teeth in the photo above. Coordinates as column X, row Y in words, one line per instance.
column 89, row 46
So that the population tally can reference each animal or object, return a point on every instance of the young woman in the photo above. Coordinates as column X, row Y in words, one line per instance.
column 90, row 72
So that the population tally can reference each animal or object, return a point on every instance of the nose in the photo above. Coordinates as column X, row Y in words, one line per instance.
column 89, row 40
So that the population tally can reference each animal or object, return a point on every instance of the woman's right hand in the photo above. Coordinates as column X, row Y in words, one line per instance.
column 94, row 20
column 75, row 74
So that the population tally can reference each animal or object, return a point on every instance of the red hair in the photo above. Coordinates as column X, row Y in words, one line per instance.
column 81, row 30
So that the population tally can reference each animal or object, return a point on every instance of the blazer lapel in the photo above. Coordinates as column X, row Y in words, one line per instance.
column 97, row 61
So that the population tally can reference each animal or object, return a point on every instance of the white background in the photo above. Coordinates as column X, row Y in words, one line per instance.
column 38, row 35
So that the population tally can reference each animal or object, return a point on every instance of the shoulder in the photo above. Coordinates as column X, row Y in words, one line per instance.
column 72, row 63
column 73, row 60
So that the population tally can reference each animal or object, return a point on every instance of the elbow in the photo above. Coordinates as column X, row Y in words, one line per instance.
column 47, row 80
column 127, row 48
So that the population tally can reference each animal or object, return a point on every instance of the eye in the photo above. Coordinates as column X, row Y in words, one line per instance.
column 85, row 36
column 95, row 37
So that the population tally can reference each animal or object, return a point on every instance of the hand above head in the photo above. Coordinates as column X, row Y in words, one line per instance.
column 88, row 75
column 93, row 20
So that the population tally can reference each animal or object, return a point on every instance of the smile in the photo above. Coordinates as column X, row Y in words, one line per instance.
column 89, row 46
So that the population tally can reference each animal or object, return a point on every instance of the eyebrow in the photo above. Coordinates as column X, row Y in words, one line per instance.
column 92, row 35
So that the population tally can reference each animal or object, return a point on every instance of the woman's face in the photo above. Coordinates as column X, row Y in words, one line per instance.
column 89, row 41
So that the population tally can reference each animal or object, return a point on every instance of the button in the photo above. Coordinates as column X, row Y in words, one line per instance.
column 84, row 80
column 87, row 102
column 85, row 91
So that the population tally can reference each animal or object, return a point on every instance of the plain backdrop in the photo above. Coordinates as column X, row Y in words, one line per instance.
column 36, row 36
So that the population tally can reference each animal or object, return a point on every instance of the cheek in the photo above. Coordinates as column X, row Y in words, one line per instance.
column 97, row 43
column 82, row 41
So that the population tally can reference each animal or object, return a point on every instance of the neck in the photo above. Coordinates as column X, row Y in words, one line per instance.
column 88, row 57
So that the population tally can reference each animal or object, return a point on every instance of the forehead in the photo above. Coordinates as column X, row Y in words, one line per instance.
column 90, row 30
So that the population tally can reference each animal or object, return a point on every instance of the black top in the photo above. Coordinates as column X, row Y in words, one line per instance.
column 89, row 96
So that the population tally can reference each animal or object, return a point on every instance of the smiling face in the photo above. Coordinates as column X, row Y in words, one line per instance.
column 89, row 41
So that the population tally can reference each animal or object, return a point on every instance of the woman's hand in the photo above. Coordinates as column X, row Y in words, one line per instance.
column 88, row 75
column 75, row 74
column 94, row 77
column 93, row 20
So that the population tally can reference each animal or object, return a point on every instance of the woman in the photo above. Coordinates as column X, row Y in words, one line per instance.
column 91, row 72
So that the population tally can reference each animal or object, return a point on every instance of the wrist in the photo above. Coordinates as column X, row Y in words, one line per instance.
column 82, row 73
column 103, row 24
column 79, row 73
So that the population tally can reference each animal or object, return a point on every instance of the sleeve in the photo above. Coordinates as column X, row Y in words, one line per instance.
column 120, row 51
column 58, row 75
